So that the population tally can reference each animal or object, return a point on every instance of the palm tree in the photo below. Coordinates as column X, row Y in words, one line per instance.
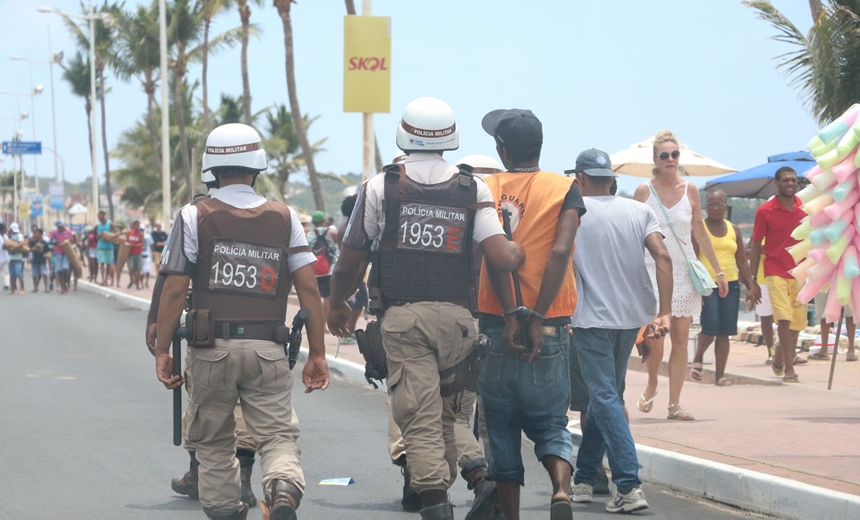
column 184, row 29
column 283, row 7
column 825, row 64
column 210, row 9
column 186, row 21
column 104, row 36
column 245, row 17
column 77, row 74
column 137, row 54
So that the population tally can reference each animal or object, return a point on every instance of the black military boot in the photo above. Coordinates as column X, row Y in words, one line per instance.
column 187, row 484
column 486, row 495
column 411, row 501
column 238, row 515
column 282, row 500
column 246, row 464
column 438, row 512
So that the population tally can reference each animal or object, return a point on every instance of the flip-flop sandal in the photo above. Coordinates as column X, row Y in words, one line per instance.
column 778, row 369
column 794, row 379
column 800, row 361
column 769, row 361
column 680, row 414
column 723, row 382
column 561, row 511
column 821, row 356
column 696, row 372
column 645, row 405
column 851, row 357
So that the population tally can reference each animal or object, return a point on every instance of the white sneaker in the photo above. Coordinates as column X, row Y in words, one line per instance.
column 633, row 501
column 581, row 493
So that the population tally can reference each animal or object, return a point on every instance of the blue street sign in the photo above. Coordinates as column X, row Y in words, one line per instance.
column 22, row 147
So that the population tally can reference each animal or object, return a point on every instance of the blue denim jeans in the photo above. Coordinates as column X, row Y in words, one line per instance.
column 531, row 398
column 603, row 356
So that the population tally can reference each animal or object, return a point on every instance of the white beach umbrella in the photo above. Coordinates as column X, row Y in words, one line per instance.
column 638, row 160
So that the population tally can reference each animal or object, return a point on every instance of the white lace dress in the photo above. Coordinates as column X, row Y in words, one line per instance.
column 686, row 302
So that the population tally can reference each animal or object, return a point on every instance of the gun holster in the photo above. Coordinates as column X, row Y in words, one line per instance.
column 466, row 372
column 201, row 328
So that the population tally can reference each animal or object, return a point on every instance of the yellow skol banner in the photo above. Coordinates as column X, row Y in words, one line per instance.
column 367, row 64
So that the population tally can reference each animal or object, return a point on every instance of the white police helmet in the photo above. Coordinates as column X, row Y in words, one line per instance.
column 427, row 126
column 482, row 164
column 234, row 145
column 207, row 177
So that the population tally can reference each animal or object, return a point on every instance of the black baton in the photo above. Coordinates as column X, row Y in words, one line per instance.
column 178, row 335
column 523, row 313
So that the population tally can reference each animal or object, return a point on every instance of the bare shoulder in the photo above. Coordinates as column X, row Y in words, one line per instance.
column 642, row 192
column 693, row 194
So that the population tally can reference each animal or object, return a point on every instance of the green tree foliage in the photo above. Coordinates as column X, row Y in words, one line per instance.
column 824, row 64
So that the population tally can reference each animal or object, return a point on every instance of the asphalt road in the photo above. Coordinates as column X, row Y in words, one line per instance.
column 86, row 430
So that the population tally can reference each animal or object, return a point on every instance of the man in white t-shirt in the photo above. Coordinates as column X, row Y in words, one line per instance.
column 616, row 299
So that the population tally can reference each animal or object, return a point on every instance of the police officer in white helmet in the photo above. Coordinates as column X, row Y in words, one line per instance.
column 245, row 448
column 242, row 252
column 420, row 219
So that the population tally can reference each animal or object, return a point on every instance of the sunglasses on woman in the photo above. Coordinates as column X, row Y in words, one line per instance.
column 664, row 156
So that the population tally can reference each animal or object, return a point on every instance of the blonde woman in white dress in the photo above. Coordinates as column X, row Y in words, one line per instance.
column 681, row 202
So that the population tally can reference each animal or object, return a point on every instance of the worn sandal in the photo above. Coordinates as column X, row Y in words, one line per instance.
column 778, row 369
column 696, row 372
column 723, row 382
column 851, row 357
column 820, row 355
column 679, row 414
column 794, row 379
column 561, row 511
column 645, row 405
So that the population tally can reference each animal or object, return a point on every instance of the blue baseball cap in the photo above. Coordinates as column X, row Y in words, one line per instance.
column 58, row 223
column 593, row 162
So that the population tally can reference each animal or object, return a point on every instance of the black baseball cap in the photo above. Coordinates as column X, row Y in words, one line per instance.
column 593, row 162
column 519, row 131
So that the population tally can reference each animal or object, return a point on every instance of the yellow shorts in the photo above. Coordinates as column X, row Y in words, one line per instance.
column 783, row 299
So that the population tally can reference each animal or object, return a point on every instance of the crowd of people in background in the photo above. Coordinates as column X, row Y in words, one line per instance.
column 96, row 249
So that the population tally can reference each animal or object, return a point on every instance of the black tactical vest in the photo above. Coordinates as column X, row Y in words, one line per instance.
column 425, row 252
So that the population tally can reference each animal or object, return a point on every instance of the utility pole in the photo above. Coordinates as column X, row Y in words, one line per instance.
column 165, row 119
column 368, row 156
column 94, row 207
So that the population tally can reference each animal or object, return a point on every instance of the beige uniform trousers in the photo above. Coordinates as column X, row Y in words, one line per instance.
column 420, row 340
column 243, row 438
column 257, row 373
column 462, row 407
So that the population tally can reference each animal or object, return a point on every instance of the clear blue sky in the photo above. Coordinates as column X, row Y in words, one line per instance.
column 598, row 74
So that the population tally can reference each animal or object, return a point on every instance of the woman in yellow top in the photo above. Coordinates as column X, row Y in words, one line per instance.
column 720, row 315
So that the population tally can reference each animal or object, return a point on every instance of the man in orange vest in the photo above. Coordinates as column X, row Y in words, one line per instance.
column 524, row 382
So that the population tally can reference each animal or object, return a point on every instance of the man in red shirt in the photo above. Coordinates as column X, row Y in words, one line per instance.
column 775, row 220
column 135, row 261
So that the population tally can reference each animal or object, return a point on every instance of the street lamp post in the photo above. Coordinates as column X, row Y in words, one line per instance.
column 54, row 58
column 91, row 17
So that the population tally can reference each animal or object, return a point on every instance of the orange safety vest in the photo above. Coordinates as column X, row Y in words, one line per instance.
column 534, row 200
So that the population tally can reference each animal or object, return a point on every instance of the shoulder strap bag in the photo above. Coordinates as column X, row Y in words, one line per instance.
column 702, row 281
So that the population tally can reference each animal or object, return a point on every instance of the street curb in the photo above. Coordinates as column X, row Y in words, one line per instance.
column 741, row 488
column 635, row 364
column 748, row 490
column 126, row 299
